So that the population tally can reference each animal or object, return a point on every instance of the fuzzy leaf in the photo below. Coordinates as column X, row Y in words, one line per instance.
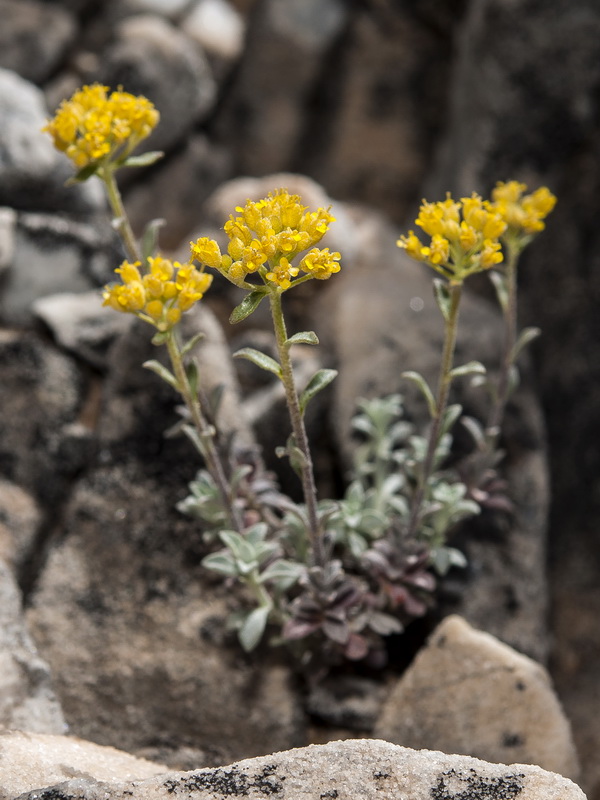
column 239, row 546
column 420, row 381
column 162, row 372
column 471, row 368
column 253, row 628
column 261, row 360
column 150, row 238
column 525, row 337
column 442, row 297
column 191, row 343
column 451, row 414
column 304, row 337
column 284, row 574
column 221, row 563
column 194, row 438
column 319, row 381
column 248, row 305
column 84, row 173
column 143, row 160
column 191, row 370
column 160, row 337
column 499, row 281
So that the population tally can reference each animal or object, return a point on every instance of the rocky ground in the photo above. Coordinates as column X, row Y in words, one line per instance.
column 109, row 627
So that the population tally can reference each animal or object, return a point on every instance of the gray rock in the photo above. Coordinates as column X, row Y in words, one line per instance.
column 354, row 769
column 133, row 626
column 51, row 255
column 41, row 394
column 177, row 189
column 27, row 701
column 81, row 325
column 468, row 693
column 31, row 760
column 8, row 222
column 32, row 172
column 20, row 519
column 153, row 58
column 34, row 37
column 262, row 118
column 381, row 103
column 218, row 27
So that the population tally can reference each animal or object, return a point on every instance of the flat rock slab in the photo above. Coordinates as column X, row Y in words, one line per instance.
column 30, row 760
column 341, row 771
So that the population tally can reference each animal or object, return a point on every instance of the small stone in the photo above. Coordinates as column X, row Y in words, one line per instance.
column 466, row 692
column 34, row 37
column 27, row 700
column 218, row 27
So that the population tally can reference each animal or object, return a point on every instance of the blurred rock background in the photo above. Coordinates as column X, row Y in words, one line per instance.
column 379, row 102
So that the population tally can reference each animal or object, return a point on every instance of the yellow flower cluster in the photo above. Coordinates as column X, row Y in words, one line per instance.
column 524, row 214
column 161, row 295
column 464, row 237
column 266, row 237
column 93, row 125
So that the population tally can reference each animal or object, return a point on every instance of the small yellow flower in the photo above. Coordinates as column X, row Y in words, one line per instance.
column 94, row 125
column 464, row 237
column 523, row 214
column 266, row 237
column 161, row 295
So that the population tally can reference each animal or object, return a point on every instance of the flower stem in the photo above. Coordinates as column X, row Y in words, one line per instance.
column 205, row 432
column 444, row 383
column 298, row 429
column 122, row 223
column 492, row 431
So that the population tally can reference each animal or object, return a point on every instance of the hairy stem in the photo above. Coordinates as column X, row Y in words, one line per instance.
column 121, row 219
column 444, row 383
column 205, row 432
column 492, row 431
column 298, row 429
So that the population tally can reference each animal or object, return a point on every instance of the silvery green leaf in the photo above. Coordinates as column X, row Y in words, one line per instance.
column 84, row 173
column 500, row 285
column 476, row 430
column 513, row 378
column 143, row 160
column 420, row 381
column 472, row 368
column 162, row 372
column 261, row 360
column 384, row 624
column 319, row 381
column 150, row 238
column 248, row 305
column 239, row 546
column 191, row 370
column 451, row 414
column 192, row 342
column 252, row 629
column 284, row 574
column 195, row 438
column 525, row 337
column 304, row 337
column 221, row 563
column 442, row 297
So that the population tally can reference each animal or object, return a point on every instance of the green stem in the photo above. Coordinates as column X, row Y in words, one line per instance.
column 444, row 383
column 123, row 225
column 492, row 431
column 298, row 428
column 205, row 432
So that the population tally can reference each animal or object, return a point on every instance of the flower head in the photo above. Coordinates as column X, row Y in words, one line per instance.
column 463, row 237
column 266, row 237
column 161, row 295
column 94, row 125
column 524, row 214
